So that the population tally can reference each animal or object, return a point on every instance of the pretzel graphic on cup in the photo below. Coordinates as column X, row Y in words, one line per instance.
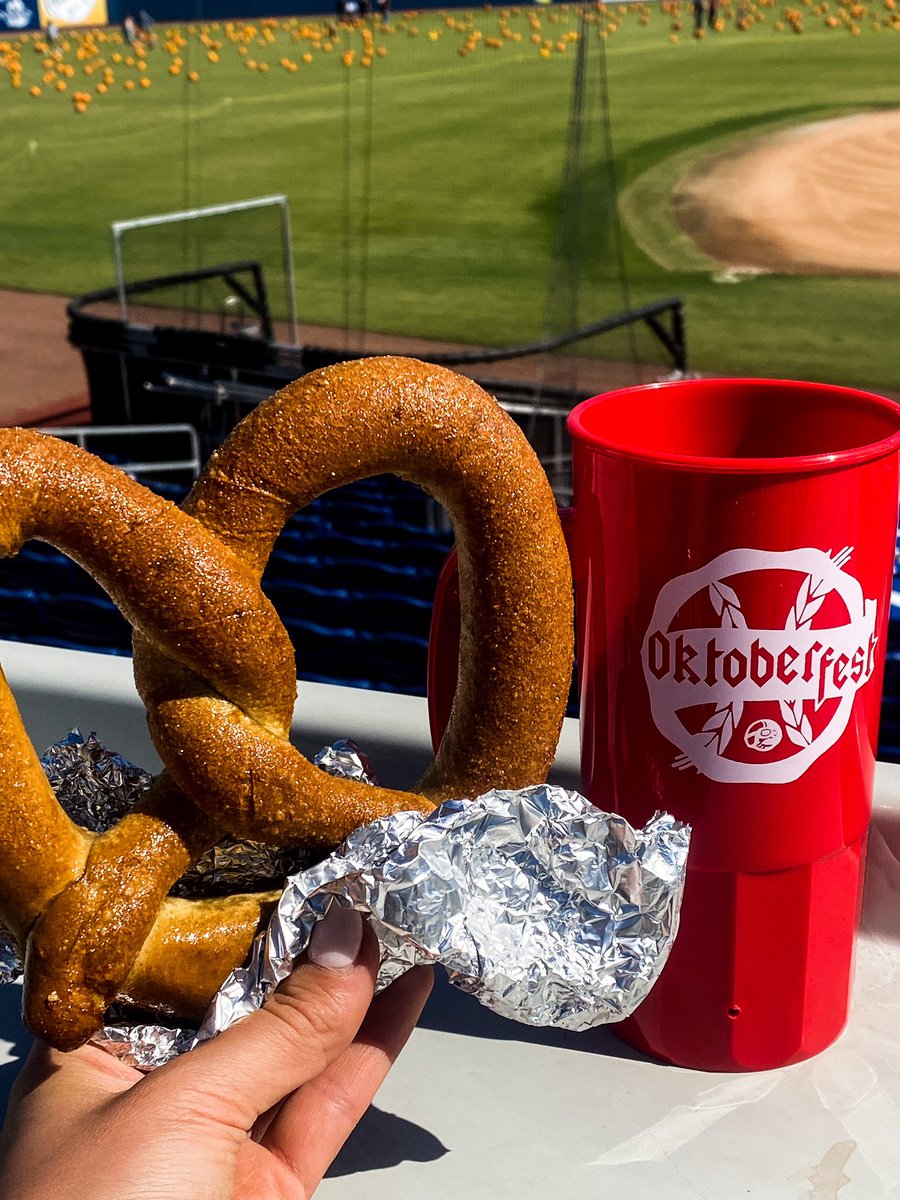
column 215, row 669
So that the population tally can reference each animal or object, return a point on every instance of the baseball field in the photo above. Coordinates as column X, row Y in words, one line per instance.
column 424, row 162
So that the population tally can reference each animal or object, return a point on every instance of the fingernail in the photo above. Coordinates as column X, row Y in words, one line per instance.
column 336, row 939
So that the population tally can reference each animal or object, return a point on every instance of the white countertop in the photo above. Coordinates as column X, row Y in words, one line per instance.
column 480, row 1107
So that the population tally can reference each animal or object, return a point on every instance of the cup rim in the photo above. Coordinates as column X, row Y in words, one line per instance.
column 851, row 456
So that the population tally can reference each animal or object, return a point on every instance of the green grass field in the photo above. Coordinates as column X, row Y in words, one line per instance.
column 451, row 222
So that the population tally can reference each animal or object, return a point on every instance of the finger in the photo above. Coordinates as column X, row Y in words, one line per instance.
column 312, row 1125
column 382, row 1035
column 307, row 1023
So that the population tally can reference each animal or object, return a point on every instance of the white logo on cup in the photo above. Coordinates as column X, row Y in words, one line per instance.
column 759, row 705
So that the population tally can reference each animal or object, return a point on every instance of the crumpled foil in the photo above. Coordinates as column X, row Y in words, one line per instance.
column 546, row 909
column 346, row 760
column 234, row 865
column 11, row 965
column 94, row 785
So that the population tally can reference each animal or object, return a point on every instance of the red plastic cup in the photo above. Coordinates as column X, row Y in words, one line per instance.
column 733, row 553
column 733, row 546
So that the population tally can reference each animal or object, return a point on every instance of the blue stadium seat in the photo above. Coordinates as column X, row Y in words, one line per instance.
column 286, row 565
column 37, row 566
column 327, row 653
column 334, row 544
column 367, row 575
column 171, row 489
column 427, row 555
column 398, row 659
column 390, row 612
column 365, row 611
column 46, row 569
column 355, row 574
column 343, row 513
column 889, row 733
column 93, row 622
column 306, row 522
column 20, row 613
column 399, row 533
column 352, row 577
column 300, row 601
column 397, row 499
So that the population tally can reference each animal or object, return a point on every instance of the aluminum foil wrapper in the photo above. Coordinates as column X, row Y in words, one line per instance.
column 11, row 965
column 233, row 865
column 94, row 785
column 547, row 910
column 346, row 760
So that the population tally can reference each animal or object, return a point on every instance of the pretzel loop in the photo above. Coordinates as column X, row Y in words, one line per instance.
column 445, row 433
column 82, row 905
column 215, row 668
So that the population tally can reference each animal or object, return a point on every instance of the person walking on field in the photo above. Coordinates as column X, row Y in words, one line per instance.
column 709, row 8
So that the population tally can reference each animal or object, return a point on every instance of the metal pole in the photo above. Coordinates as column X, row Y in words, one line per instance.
column 288, row 254
column 120, row 271
column 190, row 214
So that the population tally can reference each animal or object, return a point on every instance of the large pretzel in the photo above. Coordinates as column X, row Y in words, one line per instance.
column 215, row 669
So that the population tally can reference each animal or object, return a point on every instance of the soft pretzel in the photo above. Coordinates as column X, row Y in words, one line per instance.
column 215, row 669
column 445, row 433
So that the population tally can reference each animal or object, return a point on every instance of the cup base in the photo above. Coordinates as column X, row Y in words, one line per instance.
column 761, row 971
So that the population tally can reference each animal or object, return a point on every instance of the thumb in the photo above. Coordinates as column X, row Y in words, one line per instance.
column 304, row 1026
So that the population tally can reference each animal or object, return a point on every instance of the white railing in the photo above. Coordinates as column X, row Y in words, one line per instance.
column 82, row 434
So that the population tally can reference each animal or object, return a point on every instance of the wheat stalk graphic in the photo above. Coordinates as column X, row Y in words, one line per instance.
column 727, row 604
column 810, row 598
column 796, row 724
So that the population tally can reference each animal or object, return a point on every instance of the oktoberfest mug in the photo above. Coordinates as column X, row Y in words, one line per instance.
column 732, row 544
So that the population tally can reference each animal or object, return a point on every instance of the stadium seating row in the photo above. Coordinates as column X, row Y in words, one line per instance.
column 352, row 582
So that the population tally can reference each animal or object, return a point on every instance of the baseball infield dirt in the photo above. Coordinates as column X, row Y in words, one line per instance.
column 816, row 199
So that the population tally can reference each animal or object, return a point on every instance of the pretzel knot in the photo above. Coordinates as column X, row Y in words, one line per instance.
column 216, row 671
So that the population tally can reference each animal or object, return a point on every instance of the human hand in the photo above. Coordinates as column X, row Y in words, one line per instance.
column 258, row 1113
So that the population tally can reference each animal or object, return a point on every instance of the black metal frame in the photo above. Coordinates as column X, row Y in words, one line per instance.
column 258, row 303
column 673, row 339
column 141, row 373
